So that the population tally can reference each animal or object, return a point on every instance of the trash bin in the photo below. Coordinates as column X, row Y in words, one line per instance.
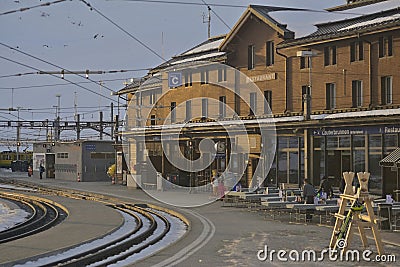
column 385, row 211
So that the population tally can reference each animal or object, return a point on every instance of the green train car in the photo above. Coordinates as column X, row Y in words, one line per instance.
column 6, row 157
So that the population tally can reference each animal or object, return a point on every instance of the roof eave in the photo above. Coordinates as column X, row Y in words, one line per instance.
column 345, row 34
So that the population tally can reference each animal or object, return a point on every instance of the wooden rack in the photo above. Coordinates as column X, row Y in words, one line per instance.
column 358, row 220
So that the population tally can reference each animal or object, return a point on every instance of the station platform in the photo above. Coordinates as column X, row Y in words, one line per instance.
column 233, row 235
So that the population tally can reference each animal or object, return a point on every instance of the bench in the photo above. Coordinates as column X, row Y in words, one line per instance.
column 285, row 186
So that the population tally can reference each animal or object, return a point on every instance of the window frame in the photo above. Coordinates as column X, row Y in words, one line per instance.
column 387, row 90
column 330, row 95
column 251, row 57
column 173, row 112
column 253, row 103
column 204, row 107
column 222, row 106
column 270, row 53
column 357, row 93
column 268, row 99
column 188, row 79
column 188, row 110
column 204, row 77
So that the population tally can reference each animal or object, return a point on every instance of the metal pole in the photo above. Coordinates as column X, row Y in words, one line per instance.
column 112, row 118
column 18, row 134
column 101, row 125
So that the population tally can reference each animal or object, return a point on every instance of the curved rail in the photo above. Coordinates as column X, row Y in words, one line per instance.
column 129, row 244
column 44, row 216
column 26, row 206
column 112, row 251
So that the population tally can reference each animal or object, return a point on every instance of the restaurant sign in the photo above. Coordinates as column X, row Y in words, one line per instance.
column 262, row 77
column 392, row 129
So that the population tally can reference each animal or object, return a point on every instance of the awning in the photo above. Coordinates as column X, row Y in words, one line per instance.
column 391, row 160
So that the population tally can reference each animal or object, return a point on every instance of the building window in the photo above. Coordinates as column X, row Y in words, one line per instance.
column 152, row 98
column 188, row 110
column 385, row 46
column 270, row 53
column 204, row 107
column 173, row 112
column 222, row 106
column 330, row 96
column 356, row 51
column 253, row 104
column 268, row 101
column 222, row 74
column 63, row 155
column 188, row 79
column 204, row 77
column 305, row 62
column 153, row 120
column 250, row 57
column 387, row 90
column 356, row 89
column 330, row 55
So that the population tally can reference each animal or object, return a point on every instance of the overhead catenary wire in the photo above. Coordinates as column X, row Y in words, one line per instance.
column 80, row 86
column 59, row 67
column 74, row 72
column 273, row 8
column 123, row 30
column 59, row 84
column 32, row 7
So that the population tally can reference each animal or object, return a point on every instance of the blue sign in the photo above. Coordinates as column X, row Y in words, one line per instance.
column 174, row 79
column 91, row 147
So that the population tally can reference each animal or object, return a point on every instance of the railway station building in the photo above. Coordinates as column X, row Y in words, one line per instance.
column 334, row 97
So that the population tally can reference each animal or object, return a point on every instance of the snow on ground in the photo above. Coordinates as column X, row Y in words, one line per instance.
column 9, row 217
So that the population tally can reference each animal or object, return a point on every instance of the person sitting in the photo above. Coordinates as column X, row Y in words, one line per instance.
column 325, row 187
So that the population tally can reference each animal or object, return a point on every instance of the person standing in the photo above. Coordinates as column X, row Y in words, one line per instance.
column 215, row 185
column 308, row 196
column 308, row 192
column 41, row 171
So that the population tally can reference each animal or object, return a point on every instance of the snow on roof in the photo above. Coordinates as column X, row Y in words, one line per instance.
column 371, row 22
column 205, row 47
column 198, row 58
column 368, row 113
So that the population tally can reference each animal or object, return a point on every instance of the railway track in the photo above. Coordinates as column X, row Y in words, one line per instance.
column 152, row 224
column 44, row 215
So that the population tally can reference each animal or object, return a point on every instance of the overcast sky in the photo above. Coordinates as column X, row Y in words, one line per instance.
column 71, row 36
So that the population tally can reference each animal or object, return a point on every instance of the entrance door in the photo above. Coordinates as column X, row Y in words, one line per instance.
column 50, row 165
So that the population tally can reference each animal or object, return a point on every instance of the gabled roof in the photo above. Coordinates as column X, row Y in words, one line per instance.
column 260, row 12
column 349, row 27
column 205, row 51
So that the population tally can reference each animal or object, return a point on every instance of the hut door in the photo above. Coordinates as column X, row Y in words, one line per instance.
column 50, row 165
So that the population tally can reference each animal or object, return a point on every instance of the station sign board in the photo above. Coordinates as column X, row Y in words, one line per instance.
column 355, row 130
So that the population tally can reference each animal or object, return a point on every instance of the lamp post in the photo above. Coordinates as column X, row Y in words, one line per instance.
column 307, row 114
